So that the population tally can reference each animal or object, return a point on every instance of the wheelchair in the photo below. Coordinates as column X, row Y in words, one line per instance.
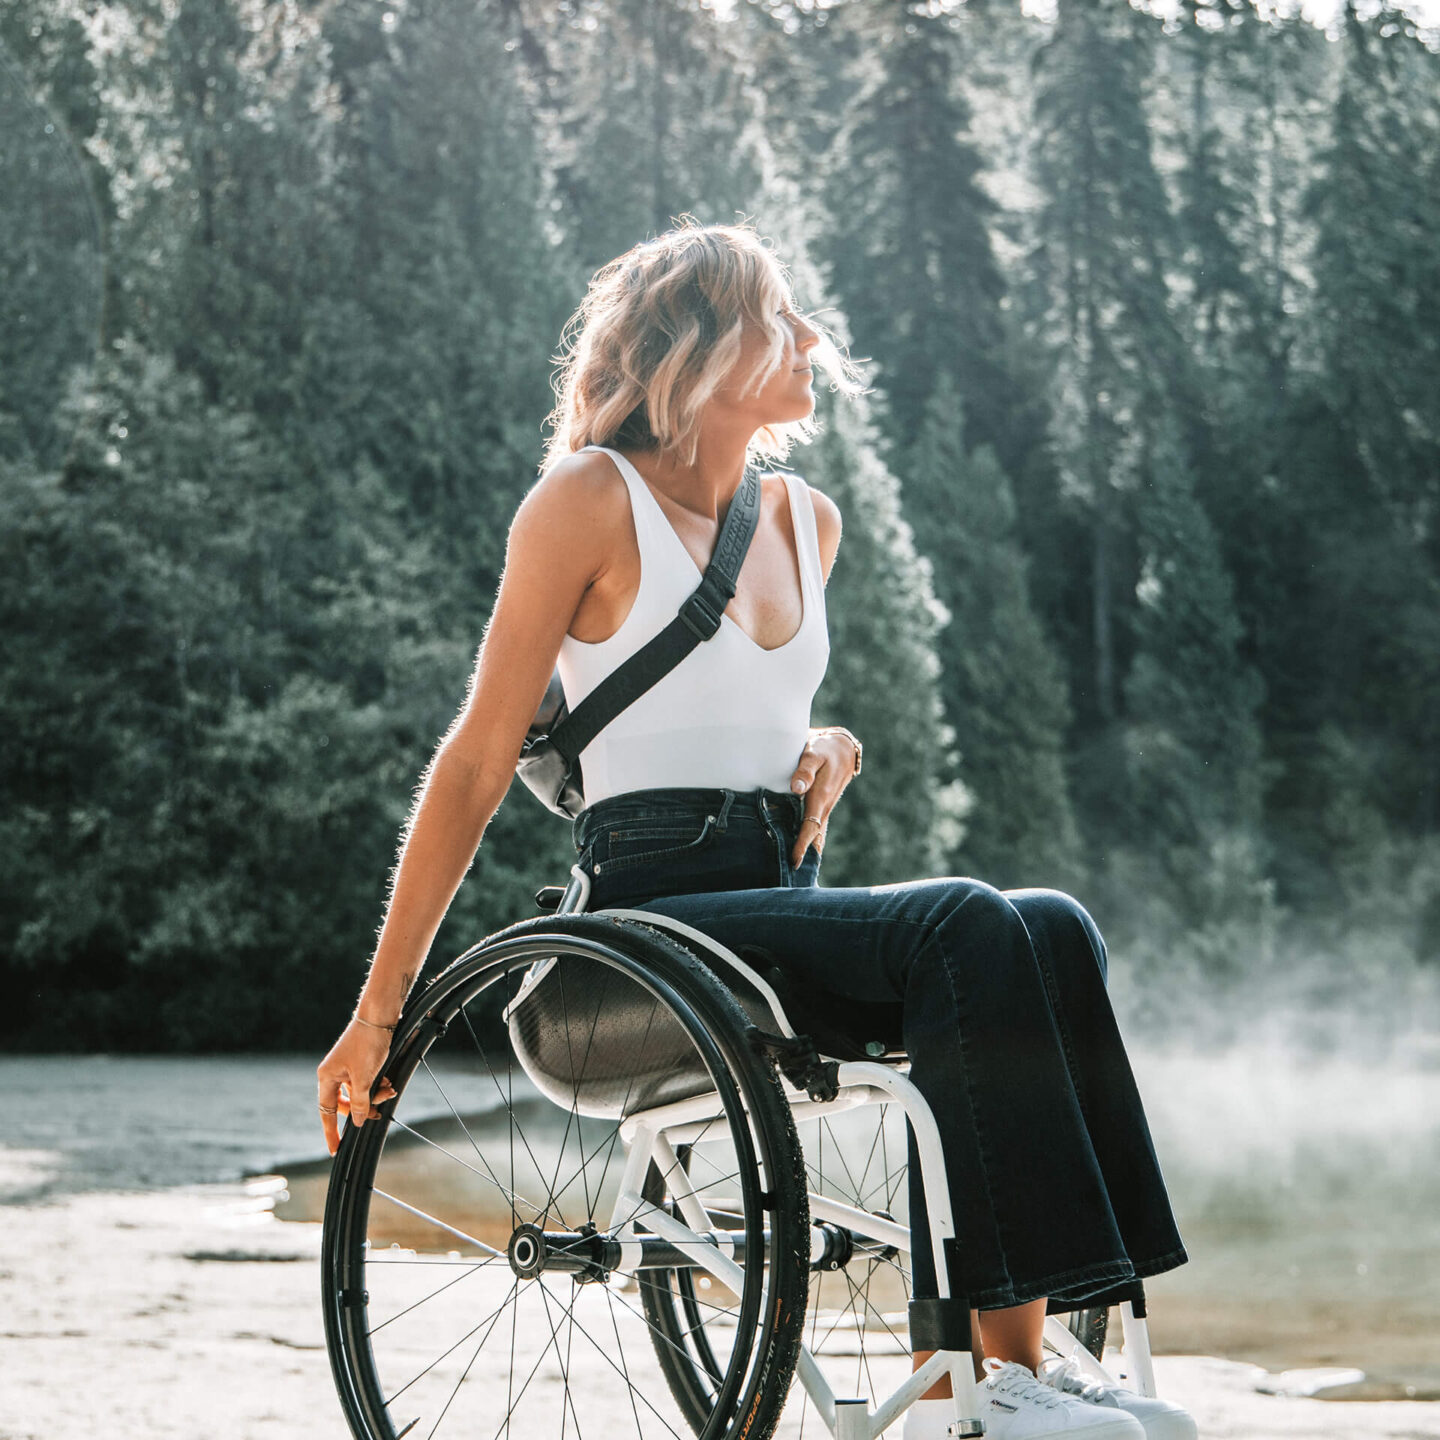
column 621, row 1191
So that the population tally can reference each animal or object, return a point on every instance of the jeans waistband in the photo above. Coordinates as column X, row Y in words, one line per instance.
column 782, row 805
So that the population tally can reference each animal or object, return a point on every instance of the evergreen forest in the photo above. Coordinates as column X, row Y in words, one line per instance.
column 1139, row 593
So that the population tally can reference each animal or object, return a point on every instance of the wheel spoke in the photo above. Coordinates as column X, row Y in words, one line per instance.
column 514, row 1309
column 435, row 1262
column 711, row 1305
column 573, row 1117
column 606, row 1357
column 459, row 1120
column 486, row 1175
column 853, row 1160
column 840, row 1156
column 665, row 1175
column 645, row 1320
column 492, row 1319
column 565, row 1374
column 870, row 1160
column 438, row 1222
column 552, row 1343
column 478, row 1265
column 630, row 1088
column 620, row 1351
column 509, row 1102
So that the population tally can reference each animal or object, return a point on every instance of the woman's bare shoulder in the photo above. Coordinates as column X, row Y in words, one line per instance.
column 561, row 537
column 576, row 492
column 827, row 526
column 573, row 516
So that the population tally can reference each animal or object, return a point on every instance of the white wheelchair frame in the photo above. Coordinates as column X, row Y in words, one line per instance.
column 652, row 1134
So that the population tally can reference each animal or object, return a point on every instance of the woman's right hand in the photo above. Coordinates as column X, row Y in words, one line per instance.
column 353, row 1062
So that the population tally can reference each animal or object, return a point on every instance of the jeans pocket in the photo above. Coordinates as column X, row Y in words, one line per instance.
column 629, row 843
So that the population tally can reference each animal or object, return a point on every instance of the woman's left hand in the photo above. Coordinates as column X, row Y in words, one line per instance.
column 827, row 766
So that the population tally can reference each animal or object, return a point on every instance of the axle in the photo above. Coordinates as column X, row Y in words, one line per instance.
column 589, row 1255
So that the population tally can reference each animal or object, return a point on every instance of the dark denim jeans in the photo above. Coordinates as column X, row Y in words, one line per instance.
column 1011, row 1038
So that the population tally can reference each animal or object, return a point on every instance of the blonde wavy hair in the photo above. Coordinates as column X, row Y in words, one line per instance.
column 659, row 331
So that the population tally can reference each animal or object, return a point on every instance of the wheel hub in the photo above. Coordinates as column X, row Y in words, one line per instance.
column 526, row 1251
column 584, row 1255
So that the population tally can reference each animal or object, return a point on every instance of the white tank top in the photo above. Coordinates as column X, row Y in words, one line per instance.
column 731, row 715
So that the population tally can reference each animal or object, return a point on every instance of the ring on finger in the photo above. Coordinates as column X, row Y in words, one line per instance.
column 327, row 1109
column 814, row 820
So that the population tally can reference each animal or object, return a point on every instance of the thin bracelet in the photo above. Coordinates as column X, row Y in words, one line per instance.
column 373, row 1025
column 855, row 743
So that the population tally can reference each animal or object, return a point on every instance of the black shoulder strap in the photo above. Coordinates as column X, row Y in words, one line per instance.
column 698, row 620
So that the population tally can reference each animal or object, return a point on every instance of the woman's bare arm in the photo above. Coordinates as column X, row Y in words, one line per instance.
column 827, row 529
column 559, row 541
column 551, row 558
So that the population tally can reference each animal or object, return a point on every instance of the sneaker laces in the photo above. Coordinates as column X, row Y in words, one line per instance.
column 1066, row 1375
column 1013, row 1379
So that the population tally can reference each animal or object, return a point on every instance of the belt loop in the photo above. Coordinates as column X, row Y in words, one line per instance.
column 722, row 817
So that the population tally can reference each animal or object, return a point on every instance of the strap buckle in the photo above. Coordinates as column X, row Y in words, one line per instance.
column 701, row 615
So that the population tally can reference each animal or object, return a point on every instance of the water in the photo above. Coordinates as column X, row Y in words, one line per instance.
column 1308, row 1192
column 74, row 1123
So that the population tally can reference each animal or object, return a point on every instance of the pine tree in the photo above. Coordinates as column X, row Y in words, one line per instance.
column 908, row 248
column 1002, row 685
column 1191, row 702
column 245, row 565
column 903, row 817
column 220, row 260
column 1236, row 217
column 50, row 223
column 657, row 123
column 1216, row 222
column 1376, row 303
column 1104, row 238
column 797, row 68
column 427, row 352
column 1374, row 330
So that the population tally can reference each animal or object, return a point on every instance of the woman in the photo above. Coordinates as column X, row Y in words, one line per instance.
column 710, row 796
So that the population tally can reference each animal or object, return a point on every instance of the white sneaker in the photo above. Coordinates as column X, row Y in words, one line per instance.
column 1161, row 1419
column 1016, row 1406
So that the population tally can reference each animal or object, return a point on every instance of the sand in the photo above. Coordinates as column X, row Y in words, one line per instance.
column 194, row 1312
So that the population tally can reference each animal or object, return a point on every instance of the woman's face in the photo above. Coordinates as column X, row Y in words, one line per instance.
column 788, row 394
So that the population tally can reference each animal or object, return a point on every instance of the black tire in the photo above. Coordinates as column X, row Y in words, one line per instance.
column 1090, row 1327
column 690, row 1318
column 500, row 1095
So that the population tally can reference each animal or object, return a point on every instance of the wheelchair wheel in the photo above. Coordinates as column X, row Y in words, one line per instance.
column 857, row 1320
column 1090, row 1328
column 857, row 1313
column 581, row 1130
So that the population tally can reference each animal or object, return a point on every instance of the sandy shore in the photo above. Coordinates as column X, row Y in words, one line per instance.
column 193, row 1312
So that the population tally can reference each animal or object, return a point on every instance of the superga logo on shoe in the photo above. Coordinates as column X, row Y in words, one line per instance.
column 1003, row 1405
